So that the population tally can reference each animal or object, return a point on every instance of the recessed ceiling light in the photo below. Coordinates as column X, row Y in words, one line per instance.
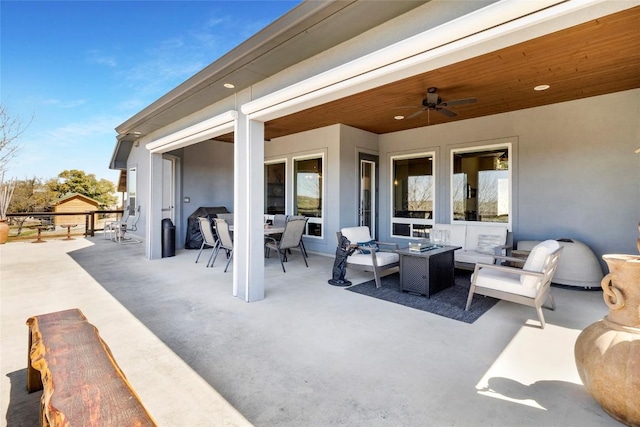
column 541, row 87
column 399, row 117
column 229, row 85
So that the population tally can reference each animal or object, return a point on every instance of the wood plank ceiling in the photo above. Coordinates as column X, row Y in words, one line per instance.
column 595, row 58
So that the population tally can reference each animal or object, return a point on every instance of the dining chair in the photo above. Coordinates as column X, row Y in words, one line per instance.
column 208, row 239
column 291, row 238
column 279, row 220
column 290, row 217
column 226, row 241
column 227, row 216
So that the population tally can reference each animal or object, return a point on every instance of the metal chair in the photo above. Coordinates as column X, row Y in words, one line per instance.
column 291, row 238
column 131, row 224
column 208, row 239
column 110, row 227
column 226, row 241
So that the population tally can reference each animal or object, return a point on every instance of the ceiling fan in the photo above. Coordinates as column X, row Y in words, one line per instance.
column 434, row 102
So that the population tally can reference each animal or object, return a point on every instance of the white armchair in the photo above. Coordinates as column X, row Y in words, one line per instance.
column 529, row 285
column 371, row 255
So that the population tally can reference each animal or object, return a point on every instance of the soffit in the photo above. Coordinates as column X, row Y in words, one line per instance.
column 595, row 58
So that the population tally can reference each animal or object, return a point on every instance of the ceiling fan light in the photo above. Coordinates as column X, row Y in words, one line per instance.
column 398, row 117
column 541, row 87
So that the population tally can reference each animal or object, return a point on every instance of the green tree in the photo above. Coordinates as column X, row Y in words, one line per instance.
column 77, row 181
column 31, row 195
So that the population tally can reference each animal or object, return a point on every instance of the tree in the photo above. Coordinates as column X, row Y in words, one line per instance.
column 30, row 195
column 77, row 181
column 10, row 129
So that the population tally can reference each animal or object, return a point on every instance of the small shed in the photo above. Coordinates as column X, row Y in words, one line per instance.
column 74, row 202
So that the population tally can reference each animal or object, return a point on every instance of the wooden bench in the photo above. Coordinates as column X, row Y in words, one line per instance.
column 81, row 382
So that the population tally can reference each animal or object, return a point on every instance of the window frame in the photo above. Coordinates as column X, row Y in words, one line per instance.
column 427, row 223
column 294, row 193
column 285, row 184
column 132, row 171
column 508, row 144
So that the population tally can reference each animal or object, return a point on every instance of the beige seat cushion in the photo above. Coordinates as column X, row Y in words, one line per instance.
column 503, row 281
column 383, row 258
column 473, row 257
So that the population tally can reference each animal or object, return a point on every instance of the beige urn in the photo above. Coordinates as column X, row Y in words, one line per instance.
column 608, row 352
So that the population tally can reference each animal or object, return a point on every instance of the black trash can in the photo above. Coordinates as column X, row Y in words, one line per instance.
column 168, row 238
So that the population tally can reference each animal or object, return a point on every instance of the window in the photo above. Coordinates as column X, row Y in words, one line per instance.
column 412, row 195
column 274, row 188
column 308, row 188
column 131, row 190
column 481, row 184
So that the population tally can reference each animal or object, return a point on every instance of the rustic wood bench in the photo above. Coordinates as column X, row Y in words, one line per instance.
column 82, row 383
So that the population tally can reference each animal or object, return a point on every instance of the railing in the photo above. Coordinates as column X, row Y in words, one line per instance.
column 89, row 217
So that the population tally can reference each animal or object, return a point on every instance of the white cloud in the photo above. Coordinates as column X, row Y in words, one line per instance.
column 97, row 57
column 80, row 133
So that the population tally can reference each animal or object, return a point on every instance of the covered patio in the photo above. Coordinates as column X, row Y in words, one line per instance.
column 310, row 354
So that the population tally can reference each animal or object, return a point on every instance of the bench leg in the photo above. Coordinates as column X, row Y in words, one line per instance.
column 34, row 380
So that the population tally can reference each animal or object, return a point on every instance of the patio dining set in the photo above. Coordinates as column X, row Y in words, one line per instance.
column 281, row 234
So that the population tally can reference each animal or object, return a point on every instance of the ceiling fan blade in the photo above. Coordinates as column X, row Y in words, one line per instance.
column 446, row 112
column 459, row 102
column 416, row 113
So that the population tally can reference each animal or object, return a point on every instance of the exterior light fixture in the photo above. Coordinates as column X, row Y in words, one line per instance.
column 229, row 85
column 541, row 87
column 399, row 117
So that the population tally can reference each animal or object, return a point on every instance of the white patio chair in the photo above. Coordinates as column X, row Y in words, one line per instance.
column 110, row 227
column 371, row 255
column 226, row 241
column 529, row 285
column 130, row 224
column 208, row 239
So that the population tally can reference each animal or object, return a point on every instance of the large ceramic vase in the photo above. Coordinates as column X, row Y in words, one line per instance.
column 4, row 231
column 608, row 352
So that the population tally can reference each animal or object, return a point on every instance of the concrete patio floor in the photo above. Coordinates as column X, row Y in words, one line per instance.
column 309, row 354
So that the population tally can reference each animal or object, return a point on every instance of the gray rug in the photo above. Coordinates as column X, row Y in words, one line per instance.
column 448, row 303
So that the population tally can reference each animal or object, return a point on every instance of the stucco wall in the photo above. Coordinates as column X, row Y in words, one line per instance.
column 352, row 142
column 208, row 175
column 575, row 174
column 139, row 158
column 324, row 141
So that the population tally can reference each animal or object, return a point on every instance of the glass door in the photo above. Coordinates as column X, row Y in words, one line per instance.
column 367, row 208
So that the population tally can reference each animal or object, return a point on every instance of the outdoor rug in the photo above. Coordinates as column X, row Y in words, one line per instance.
column 448, row 303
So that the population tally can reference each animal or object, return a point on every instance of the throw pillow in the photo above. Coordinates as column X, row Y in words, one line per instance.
column 367, row 247
column 487, row 243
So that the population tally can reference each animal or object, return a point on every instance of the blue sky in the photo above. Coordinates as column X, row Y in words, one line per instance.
column 81, row 68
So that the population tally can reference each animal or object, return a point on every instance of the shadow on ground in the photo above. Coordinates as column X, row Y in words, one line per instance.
column 24, row 407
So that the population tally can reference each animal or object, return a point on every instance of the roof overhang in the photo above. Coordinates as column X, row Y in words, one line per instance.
column 124, row 143
column 308, row 29
column 207, row 129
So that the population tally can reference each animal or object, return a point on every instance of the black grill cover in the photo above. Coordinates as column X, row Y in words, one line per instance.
column 194, row 237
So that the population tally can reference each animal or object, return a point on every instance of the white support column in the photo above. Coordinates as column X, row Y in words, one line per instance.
column 248, row 207
column 153, row 248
